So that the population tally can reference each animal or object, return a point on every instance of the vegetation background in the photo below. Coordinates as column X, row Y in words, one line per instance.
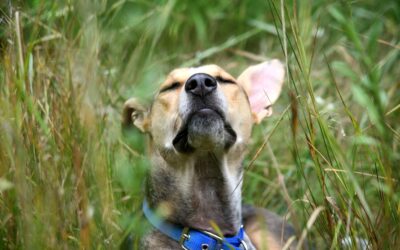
column 328, row 159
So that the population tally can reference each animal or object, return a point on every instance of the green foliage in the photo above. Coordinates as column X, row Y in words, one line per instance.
column 69, row 177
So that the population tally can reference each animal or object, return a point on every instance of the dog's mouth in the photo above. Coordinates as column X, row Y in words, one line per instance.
column 205, row 129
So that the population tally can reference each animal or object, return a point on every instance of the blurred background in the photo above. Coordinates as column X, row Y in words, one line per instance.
column 329, row 156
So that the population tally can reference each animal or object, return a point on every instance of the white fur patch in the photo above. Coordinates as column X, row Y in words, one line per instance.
column 233, row 182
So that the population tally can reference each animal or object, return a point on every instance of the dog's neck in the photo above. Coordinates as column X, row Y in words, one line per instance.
column 201, row 192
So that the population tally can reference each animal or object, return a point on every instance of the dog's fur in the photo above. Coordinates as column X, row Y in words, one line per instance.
column 199, row 125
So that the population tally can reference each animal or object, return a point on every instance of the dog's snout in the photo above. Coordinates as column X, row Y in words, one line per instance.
column 200, row 84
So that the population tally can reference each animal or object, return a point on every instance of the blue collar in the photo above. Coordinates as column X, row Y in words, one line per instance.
column 192, row 239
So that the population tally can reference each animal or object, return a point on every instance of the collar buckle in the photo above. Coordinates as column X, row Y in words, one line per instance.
column 184, row 237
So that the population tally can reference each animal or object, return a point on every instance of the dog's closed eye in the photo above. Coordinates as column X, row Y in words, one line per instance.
column 171, row 86
column 224, row 80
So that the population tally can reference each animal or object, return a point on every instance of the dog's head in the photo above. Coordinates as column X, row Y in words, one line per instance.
column 205, row 109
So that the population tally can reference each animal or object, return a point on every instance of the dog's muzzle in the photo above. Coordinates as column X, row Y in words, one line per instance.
column 204, row 124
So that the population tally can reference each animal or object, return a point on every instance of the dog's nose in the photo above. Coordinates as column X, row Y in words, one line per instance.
column 200, row 84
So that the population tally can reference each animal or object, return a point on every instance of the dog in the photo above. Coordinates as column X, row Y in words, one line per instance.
column 199, row 125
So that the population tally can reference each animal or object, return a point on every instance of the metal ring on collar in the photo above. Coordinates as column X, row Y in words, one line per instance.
column 245, row 247
column 212, row 235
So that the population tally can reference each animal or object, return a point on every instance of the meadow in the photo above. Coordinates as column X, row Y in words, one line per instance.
column 328, row 159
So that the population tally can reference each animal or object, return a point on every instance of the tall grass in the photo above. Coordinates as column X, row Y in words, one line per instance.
column 329, row 156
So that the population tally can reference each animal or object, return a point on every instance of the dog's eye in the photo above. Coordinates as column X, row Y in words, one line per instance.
column 172, row 86
column 224, row 80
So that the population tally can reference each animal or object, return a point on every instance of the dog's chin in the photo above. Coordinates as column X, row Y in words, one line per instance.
column 205, row 130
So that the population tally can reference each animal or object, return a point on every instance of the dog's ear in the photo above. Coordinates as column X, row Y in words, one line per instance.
column 263, row 84
column 134, row 114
